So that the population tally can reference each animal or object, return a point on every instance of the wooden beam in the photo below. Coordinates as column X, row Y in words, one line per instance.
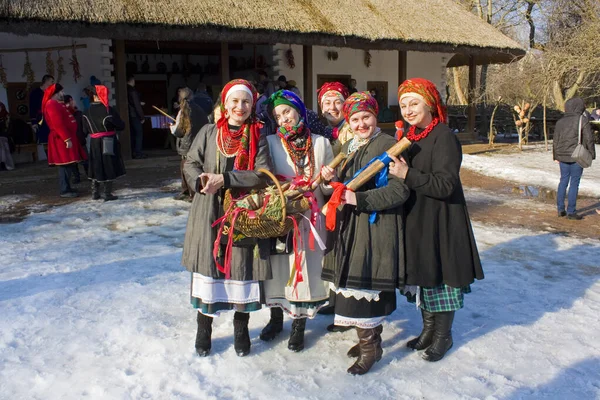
column 225, row 63
column 471, row 116
column 402, row 66
column 121, row 95
column 33, row 49
column 307, row 74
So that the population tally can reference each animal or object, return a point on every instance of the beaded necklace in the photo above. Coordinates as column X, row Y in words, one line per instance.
column 413, row 137
column 228, row 142
column 298, row 144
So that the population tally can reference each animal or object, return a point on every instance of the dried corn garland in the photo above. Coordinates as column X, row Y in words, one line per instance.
column 75, row 63
column 60, row 68
column 28, row 73
column 289, row 58
column 49, row 64
column 367, row 58
column 3, row 78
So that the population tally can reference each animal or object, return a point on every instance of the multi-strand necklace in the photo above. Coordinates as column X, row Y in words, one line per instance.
column 298, row 144
column 228, row 142
column 413, row 137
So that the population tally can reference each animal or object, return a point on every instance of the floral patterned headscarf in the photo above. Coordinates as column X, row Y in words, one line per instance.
column 332, row 89
column 360, row 101
column 428, row 92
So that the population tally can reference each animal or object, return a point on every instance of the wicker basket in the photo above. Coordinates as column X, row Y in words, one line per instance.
column 257, row 224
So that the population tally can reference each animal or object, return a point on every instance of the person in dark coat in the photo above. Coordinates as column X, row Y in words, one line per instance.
column 101, row 122
column 441, row 254
column 225, row 156
column 365, row 263
column 190, row 119
column 566, row 138
column 78, row 115
column 136, row 118
column 39, row 125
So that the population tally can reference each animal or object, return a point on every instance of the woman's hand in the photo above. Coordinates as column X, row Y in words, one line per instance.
column 69, row 143
column 211, row 183
column 349, row 197
column 398, row 167
column 327, row 173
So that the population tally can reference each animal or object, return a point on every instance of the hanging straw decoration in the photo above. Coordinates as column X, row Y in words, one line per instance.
column 75, row 63
column 3, row 78
column 60, row 68
column 289, row 58
column 49, row 64
column 367, row 58
column 28, row 73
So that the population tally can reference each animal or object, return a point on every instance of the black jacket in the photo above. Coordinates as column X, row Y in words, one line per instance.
column 566, row 132
column 135, row 105
column 440, row 245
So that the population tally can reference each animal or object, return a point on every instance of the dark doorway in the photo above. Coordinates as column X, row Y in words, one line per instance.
column 153, row 93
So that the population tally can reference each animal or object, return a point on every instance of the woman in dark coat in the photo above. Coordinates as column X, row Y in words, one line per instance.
column 366, row 261
column 566, row 138
column 190, row 119
column 441, row 254
column 102, row 122
column 223, row 156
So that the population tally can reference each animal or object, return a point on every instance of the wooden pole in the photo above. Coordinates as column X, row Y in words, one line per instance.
column 471, row 93
column 34, row 49
column 307, row 73
column 121, row 96
column 225, row 76
column 402, row 66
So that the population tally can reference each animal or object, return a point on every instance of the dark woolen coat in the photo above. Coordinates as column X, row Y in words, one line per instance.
column 440, row 246
column 566, row 132
column 364, row 255
column 198, row 119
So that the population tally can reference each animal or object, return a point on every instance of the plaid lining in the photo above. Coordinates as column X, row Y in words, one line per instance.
column 441, row 298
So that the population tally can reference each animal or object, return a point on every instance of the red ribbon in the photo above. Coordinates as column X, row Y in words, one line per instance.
column 332, row 205
column 297, row 241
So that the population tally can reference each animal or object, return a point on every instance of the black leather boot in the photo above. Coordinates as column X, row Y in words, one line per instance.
column 95, row 190
column 426, row 337
column 296, row 342
column 241, row 336
column 203, row 336
column 108, row 196
column 275, row 325
column 442, row 337
column 369, row 343
column 355, row 350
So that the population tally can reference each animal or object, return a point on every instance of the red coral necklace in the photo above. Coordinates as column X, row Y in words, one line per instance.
column 415, row 138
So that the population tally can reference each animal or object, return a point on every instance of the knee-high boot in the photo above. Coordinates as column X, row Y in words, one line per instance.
column 296, row 342
column 203, row 336
column 241, row 336
column 108, row 196
column 275, row 325
column 369, row 343
column 355, row 350
column 442, row 337
column 426, row 337
column 95, row 190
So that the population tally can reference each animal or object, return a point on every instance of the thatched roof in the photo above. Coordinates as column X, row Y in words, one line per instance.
column 425, row 25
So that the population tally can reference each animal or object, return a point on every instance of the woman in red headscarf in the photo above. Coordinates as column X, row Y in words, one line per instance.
column 101, row 122
column 441, row 253
column 331, row 100
column 366, row 261
column 63, row 146
column 223, row 156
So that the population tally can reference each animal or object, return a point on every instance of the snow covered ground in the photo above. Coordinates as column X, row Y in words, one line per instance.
column 94, row 305
column 534, row 166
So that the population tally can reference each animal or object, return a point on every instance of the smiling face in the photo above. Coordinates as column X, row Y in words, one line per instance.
column 415, row 111
column 363, row 124
column 286, row 115
column 332, row 107
column 238, row 107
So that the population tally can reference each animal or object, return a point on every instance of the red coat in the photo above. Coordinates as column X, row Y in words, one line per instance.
column 62, row 126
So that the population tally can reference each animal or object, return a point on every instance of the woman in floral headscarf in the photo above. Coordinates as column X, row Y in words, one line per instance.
column 366, row 261
column 441, row 253
column 331, row 100
column 299, row 155
column 223, row 156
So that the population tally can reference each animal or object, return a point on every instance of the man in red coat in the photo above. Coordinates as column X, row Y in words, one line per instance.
column 63, row 146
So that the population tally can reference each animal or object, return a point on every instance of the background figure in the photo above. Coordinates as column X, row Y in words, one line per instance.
column 203, row 99
column 190, row 119
column 101, row 122
column 81, row 136
column 40, row 127
column 268, row 86
column 566, row 138
column 136, row 118
column 595, row 114
column 352, row 88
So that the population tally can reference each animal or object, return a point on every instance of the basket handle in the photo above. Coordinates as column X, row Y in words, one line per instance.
column 279, row 189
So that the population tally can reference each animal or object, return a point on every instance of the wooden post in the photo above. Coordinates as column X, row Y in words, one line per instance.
column 307, row 72
column 225, row 63
column 471, row 92
column 121, row 96
column 402, row 66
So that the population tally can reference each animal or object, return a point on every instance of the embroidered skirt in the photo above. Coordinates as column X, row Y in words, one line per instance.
column 212, row 296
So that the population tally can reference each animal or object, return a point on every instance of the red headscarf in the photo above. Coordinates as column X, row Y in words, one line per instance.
column 49, row 92
column 360, row 101
column 427, row 90
column 336, row 87
column 102, row 93
column 248, row 147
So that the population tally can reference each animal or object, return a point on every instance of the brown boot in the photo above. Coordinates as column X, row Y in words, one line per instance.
column 369, row 344
column 355, row 350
